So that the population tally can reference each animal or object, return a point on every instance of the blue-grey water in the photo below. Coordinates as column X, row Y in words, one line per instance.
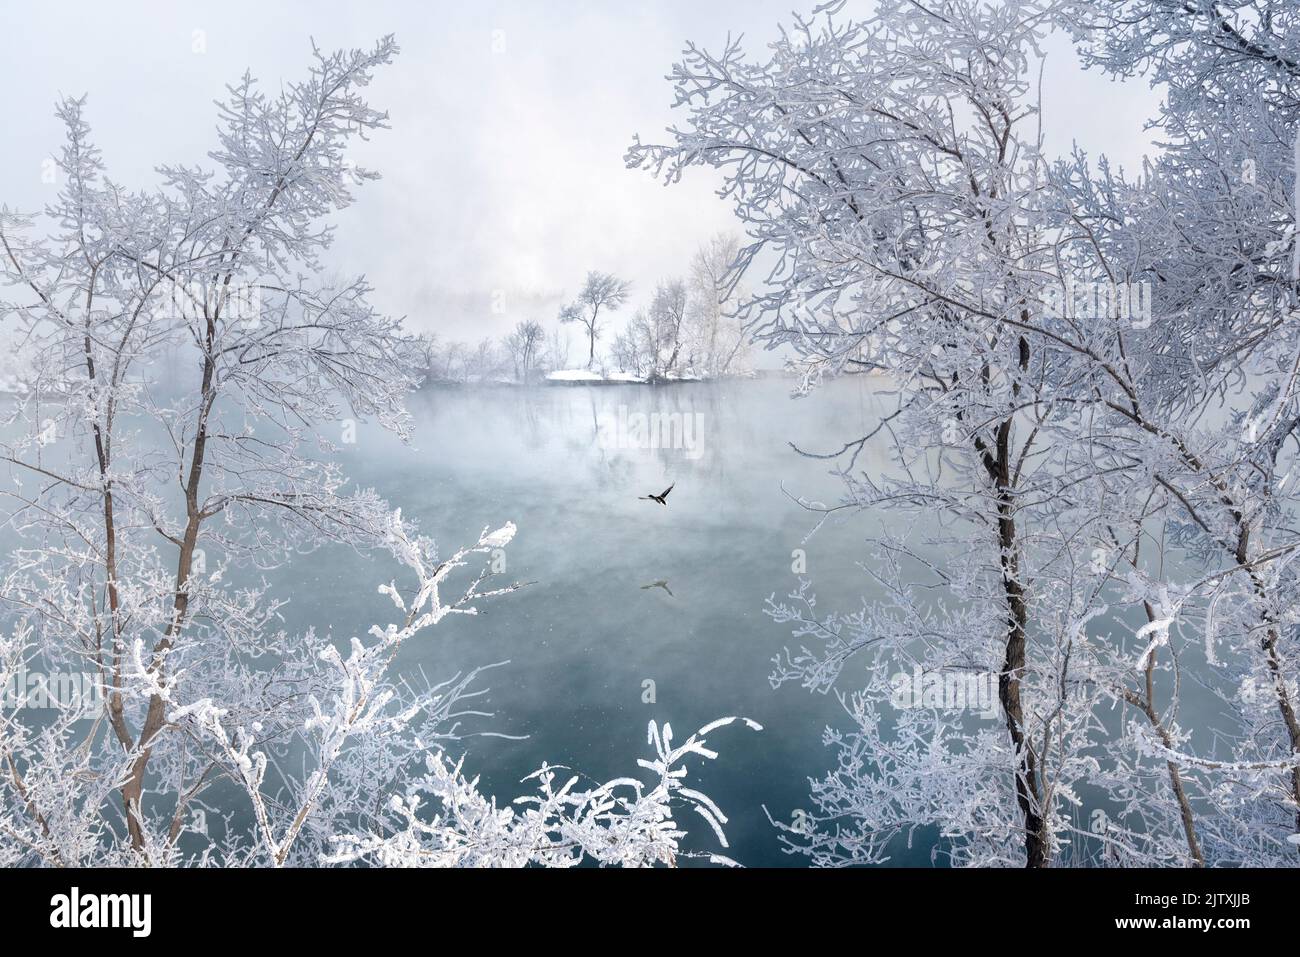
column 589, row 656
column 583, row 641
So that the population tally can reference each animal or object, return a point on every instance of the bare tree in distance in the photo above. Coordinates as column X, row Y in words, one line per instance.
column 715, row 338
column 652, row 343
column 524, row 344
column 601, row 291
column 137, row 500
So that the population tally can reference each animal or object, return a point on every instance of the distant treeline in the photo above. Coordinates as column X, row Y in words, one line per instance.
column 688, row 331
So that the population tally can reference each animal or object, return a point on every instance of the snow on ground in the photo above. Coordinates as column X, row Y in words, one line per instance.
column 590, row 375
column 573, row 375
column 587, row 375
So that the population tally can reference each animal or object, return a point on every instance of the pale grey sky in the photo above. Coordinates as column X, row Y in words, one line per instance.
column 503, row 170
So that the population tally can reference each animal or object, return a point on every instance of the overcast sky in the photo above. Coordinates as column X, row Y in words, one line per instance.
column 503, row 170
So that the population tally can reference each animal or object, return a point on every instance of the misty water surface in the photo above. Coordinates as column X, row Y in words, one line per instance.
column 583, row 640
column 576, row 649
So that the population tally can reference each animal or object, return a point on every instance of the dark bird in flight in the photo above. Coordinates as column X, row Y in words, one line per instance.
column 661, row 583
column 660, row 498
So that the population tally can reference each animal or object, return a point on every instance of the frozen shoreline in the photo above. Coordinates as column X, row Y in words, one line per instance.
column 579, row 377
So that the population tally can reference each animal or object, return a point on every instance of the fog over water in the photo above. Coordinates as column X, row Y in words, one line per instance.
column 579, row 661
column 582, row 641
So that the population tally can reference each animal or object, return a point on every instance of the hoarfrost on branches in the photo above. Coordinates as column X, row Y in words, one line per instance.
column 187, row 353
column 1094, row 390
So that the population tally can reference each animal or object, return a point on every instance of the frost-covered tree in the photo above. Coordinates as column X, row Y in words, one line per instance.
column 212, row 267
column 652, row 343
column 716, row 343
column 487, row 361
column 689, row 328
column 172, row 440
column 601, row 291
column 1212, row 224
column 524, row 346
column 555, row 351
column 883, row 166
column 1056, row 369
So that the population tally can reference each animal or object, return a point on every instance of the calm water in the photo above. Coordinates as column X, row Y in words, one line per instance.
column 582, row 642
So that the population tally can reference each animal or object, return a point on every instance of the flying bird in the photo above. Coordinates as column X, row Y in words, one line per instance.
column 661, row 583
column 660, row 498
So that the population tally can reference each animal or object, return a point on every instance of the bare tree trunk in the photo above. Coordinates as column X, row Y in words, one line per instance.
column 591, row 336
column 1268, row 645
column 155, row 716
column 1037, row 843
column 1146, row 704
column 997, row 462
